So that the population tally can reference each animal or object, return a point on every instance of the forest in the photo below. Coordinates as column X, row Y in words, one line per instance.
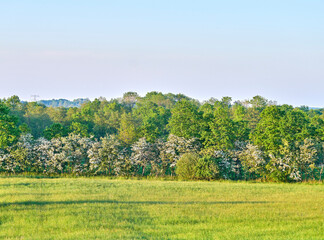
column 163, row 135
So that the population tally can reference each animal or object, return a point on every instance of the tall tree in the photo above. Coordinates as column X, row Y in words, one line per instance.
column 220, row 134
column 127, row 131
column 153, row 120
column 267, row 133
column 8, row 127
column 185, row 120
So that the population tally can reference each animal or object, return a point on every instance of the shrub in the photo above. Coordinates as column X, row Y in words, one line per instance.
column 206, row 168
column 186, row 166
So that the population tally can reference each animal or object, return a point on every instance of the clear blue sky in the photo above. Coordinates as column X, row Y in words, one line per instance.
column 206, row 48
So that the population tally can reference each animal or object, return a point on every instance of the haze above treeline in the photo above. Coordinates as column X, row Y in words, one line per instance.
column 77, row 102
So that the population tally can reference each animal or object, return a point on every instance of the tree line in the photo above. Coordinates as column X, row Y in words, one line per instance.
column 164, row 135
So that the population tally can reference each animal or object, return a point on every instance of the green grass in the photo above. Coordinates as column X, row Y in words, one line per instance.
column 97, row 208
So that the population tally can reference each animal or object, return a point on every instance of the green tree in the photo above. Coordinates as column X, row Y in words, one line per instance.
column 294, row 125
column 153, row 120
column 255, row 106
column 79, row 129
column 54, row 131
column 36, row 118
column 9, row 131
column 185, row 120
column 186, row 166
column 220, row 131
column 127, row 131
column 107, row 118
column 57, row 114
column 267, row 134
column 242, row 130
column 206, row 168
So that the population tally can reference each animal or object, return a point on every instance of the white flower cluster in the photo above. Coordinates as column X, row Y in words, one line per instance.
column 110, row 156
column 293, row 162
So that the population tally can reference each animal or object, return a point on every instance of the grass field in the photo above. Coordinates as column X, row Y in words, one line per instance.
column 97, row 208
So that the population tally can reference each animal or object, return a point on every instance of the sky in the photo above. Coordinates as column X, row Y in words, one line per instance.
column 207, row 48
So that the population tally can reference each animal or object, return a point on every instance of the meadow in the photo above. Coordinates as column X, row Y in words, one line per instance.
column 99, row 208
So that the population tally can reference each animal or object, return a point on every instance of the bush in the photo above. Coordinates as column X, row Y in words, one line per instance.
column 206, row 168
column 186, row 166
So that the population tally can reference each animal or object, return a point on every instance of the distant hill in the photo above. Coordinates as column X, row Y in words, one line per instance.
column 64, row 102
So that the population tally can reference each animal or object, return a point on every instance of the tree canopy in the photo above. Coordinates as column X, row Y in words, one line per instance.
column 253, row 138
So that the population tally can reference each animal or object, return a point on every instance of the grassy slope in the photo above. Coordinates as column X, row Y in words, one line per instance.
column 97, row 208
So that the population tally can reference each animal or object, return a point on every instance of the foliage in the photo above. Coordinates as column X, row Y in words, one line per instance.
column 220, row 133
column 206, row 168
column 8, row 128
column 127, row 131
column 171, row 150
column 107, row 156
column 185, row 120
column 144, row 155
column 253, row 161
column 142, row 136
column 153, row 120
column 186, row 166
column 56, row 130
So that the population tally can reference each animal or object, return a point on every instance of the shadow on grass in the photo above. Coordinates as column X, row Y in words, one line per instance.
column 23, row 184
column 44, row 203
column 29, row 176
column 23, row 194
column 17, row 184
